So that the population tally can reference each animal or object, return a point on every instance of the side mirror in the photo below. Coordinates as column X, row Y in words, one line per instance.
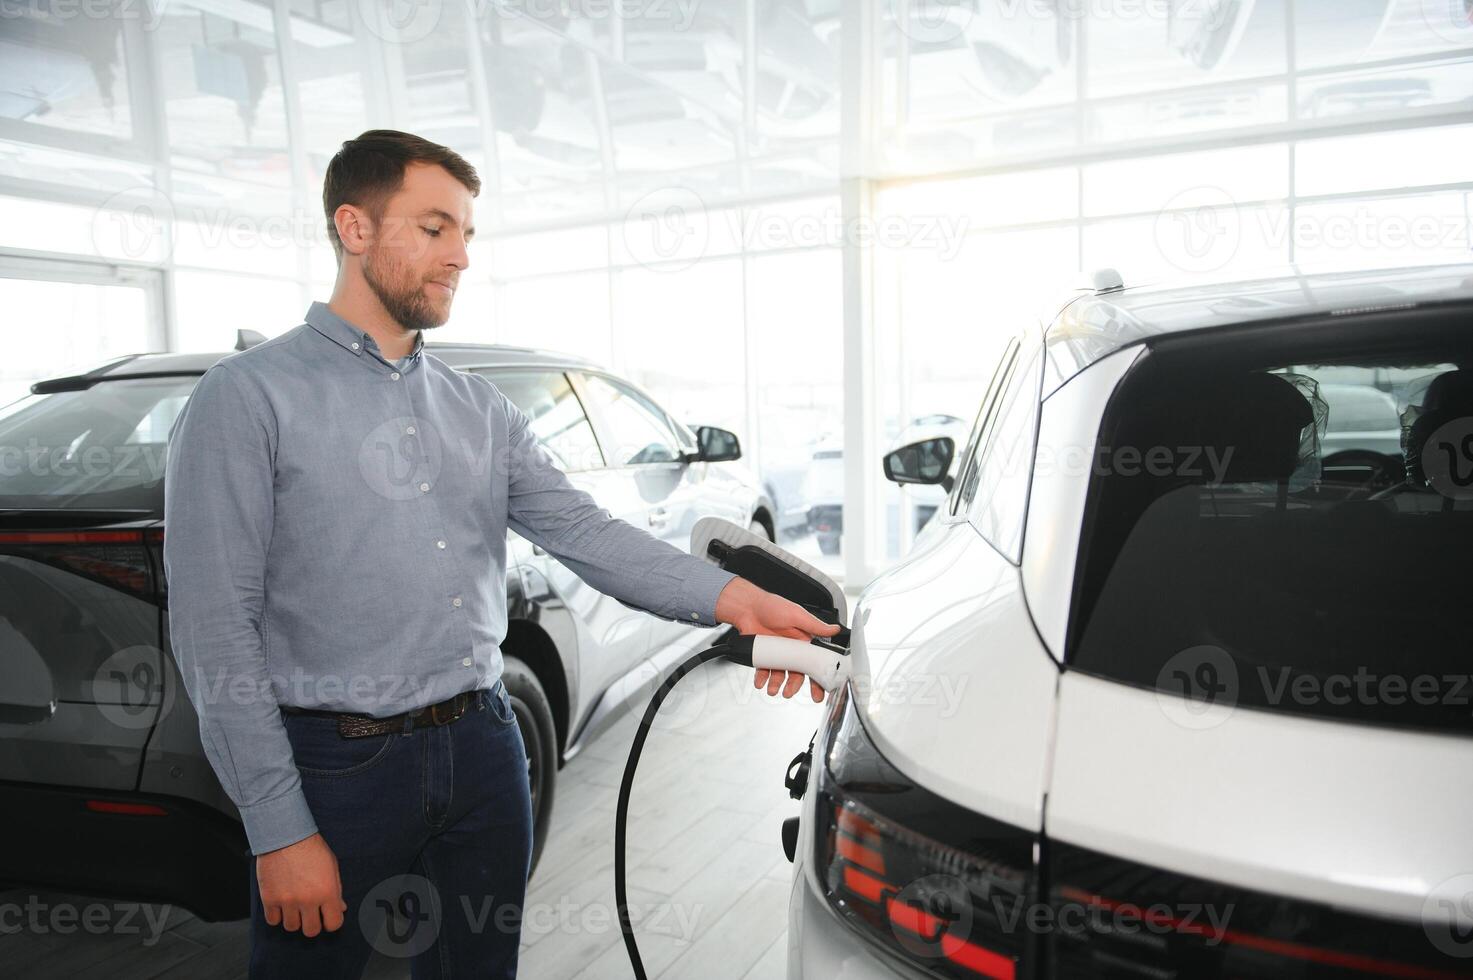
column 927, row 461
column 716, row 445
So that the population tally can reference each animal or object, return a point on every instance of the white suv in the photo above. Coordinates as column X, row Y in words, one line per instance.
column 1168, row 690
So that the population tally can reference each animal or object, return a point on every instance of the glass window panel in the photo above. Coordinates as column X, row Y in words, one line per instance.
column 1199, row 238
column 1218, row 177
column 1143, row 47
column 798, row 334
column 221, row 82
column 1423, row 26
column 562, row 313
column 1024, row 197
column 212, row 306
column 555, row 414
column 1385, row 92
column 637, row 429
column 68, row 72
column 85, row 324
column 328, row 66
column 131, row 229
column 1182, row 113
column 100, row 176
column 1387, row 231
column 680, row 336
column 1374, row 161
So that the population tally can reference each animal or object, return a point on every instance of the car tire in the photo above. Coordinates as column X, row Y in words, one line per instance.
column 760, row 529
column 828, row 544
column 534, row 719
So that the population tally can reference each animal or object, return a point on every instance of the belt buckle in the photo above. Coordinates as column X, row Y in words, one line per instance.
column 457, row 706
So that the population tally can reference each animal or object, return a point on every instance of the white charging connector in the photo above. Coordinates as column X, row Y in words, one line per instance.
column 827, row 668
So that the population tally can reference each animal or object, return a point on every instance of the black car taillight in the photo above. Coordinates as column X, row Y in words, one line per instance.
column 933, row 883
column 116, row 558
column 1120, row 920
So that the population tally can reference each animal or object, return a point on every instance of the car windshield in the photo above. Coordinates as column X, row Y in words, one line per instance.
column 1290, row 536
column 101, row 448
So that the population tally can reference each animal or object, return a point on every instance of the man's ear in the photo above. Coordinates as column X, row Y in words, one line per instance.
column 355, row 228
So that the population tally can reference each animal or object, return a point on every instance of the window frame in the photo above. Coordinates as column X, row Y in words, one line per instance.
column 980, row 433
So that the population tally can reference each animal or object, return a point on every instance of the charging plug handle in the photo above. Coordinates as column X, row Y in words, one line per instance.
column 826, row 667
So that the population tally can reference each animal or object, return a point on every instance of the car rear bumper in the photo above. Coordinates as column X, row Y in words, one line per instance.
column 187, row 855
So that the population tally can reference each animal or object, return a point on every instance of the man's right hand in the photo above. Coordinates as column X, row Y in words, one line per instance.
column 300, row 888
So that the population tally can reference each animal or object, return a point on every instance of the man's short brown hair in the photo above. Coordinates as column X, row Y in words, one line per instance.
column 367, row 171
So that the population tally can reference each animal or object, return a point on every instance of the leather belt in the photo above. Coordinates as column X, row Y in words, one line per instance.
column 352, row 725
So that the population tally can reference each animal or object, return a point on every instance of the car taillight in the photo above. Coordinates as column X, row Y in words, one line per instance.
column 1120, row 921
column 116, row 558
column 933, row 883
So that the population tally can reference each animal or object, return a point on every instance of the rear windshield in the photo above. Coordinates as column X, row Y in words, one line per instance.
column 98, row 449
column 1290, row 536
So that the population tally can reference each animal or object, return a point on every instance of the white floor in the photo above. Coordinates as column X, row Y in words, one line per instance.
column 708, row 879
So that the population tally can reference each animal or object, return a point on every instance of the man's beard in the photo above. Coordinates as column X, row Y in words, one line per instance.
column 407, row 304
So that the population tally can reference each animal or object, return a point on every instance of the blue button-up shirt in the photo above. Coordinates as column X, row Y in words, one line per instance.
column 336, row 531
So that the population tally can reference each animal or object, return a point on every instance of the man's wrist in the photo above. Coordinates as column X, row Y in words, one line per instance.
column 735, row 600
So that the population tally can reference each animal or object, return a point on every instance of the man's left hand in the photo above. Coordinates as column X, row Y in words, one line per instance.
column 756, row 611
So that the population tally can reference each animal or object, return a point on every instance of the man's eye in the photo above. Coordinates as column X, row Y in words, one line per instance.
column 433, row 232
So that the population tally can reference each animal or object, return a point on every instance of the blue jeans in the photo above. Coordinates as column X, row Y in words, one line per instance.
column 432, row 831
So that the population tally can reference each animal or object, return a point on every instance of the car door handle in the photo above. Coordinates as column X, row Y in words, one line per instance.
column 659, row 516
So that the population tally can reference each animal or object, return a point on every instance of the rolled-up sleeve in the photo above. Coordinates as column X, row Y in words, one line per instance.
column 608, row 553
column 218, row 512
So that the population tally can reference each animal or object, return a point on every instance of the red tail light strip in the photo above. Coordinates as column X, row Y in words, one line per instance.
column 853, row 851
column 984, row 962
column 133, row 809
column 71, row 537
column 1276, row 947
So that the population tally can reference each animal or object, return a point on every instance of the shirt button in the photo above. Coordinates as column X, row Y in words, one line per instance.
column 466, row 662
column 355, row 346
column 440, row 545
column 395, row 375
column 455, row 602
column 410, row 430
column 695, row 615
column 424, row 487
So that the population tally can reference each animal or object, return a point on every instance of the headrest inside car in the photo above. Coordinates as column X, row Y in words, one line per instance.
column 1250, row 420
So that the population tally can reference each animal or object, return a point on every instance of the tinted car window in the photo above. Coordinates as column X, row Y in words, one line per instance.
column 100, row 448
column 1222, row 563
column 555, row 413
column 639, row 431
column 1000, row 493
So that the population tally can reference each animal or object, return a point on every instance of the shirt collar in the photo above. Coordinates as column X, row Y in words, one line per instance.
column 321, row 318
